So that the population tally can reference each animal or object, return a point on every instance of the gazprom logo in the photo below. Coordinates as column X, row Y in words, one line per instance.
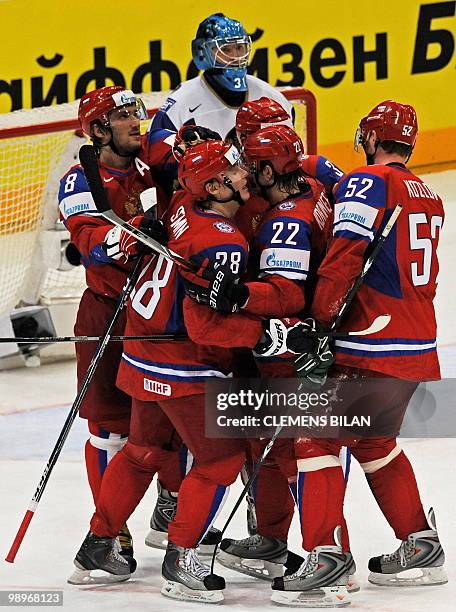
column 124, row 97
column 351, row 216
column 77, row 208
column 272, row 261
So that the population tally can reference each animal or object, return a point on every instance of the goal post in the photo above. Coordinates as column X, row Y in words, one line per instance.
column 37, row 147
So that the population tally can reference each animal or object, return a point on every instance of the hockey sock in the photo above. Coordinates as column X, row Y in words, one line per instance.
column 395, row 489
column 124, row 484
column 201, row 497
column 100, row 448
column 273, row 502
column 320, row 493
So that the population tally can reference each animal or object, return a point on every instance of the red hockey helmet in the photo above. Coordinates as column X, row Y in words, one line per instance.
column 391, row 121
column 204, row 162
column 277, row 144
column 97, row 104
column 253, row 114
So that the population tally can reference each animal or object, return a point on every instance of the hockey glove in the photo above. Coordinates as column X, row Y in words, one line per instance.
column 215, row 285
column 274, row 339
column 315, row 357
column 190, row 135
column 118, row 243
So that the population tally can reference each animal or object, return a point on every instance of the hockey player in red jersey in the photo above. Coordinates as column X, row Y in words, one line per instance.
column 111, row 116
column 402, row 282
column 289, row 243
column 167, row 380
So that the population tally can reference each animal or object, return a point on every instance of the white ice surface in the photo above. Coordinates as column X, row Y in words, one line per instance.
column 33, row 407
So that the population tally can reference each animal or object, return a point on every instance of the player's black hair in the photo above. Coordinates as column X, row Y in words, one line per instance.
column 291, row 182
column 400, row 148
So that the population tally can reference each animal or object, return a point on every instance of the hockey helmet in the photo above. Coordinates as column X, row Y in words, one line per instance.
column 391, row 121
column 252, row 115
column 97, row 104
column 277, row 144
column 223, row 43
column 204, row 162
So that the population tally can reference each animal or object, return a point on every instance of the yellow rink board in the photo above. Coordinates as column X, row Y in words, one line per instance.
column 351, row 54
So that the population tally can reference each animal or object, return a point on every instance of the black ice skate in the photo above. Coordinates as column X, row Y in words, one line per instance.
column 320, row 582
column 125, row 540
column 164, row 512
column 257, row 556
column 418, row 561
column 99, row 561
column 188, row 579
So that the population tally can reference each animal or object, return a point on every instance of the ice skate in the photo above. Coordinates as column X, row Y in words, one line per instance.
column 188, row 579
column 99, row 561
column 352, row 583
column 164, row 512
column 417, row 562
column 320, row 582
column 294, row 562
column 125, row 540
column 257, row 556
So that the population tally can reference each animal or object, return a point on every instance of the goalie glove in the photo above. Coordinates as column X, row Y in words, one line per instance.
column 190, row 135
column 119, row 244
column 215, row 285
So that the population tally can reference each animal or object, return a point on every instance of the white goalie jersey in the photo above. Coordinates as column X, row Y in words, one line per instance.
column 193, row 102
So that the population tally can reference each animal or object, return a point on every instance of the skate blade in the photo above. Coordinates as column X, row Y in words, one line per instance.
column 157, row 539
column 82, row 576
column 257, row 568
column 325, row 597
column 352, row 584
column 176, row 590
column 418, row 576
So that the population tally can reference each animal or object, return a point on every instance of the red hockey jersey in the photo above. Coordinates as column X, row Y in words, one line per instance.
column 150, row 371
column 288, row 246
column 88, row 228
column 402, row 280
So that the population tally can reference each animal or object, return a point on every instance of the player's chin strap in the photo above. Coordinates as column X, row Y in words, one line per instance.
column 236, row 194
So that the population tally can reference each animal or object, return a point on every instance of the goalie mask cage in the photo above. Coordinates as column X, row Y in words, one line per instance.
column 37, row 147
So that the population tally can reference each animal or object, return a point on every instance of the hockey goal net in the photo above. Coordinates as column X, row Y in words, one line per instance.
column 37, row 147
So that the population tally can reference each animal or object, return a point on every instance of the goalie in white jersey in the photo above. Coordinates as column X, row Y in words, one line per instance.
column 222, row 49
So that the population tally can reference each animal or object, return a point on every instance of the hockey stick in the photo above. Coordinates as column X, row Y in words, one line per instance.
column 53, row 339
column 346, row 303
column 92, row 168
column 88, row 159
column 377, row 325
column 72, row 415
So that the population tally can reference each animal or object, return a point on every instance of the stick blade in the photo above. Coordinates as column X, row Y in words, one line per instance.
column 377, row 325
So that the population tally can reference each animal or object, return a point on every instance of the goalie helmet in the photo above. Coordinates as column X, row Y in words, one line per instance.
column 97, row 104
column 391, row 121
column 223, row 43
column 277, row 144
column 253, row 114
column 204, row 162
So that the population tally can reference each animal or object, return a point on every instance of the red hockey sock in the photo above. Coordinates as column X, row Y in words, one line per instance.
column 395, row 489
column 273, row 502
column 201, row 496
column 320, row 503
column 125, row 481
